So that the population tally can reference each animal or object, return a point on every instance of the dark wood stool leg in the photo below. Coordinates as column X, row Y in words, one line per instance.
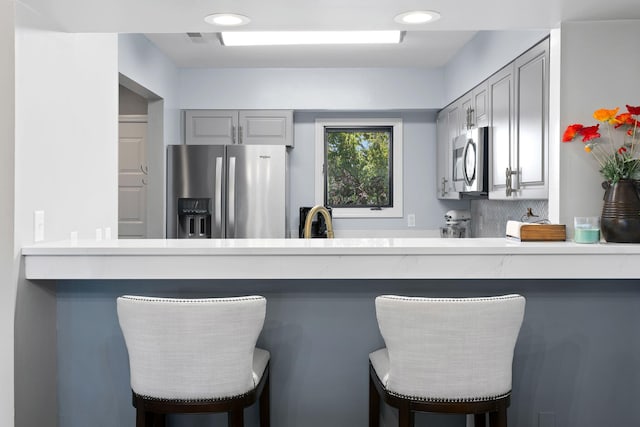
column 159, row 420
column 140, row 421
column 144, row 418
column 498, row 418
column 405, row 416
column 236, row 417
column 480, row 420
column 374, row 404
column 265, row 414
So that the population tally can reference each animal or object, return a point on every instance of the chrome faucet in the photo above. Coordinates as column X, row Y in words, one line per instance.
column 327, row 219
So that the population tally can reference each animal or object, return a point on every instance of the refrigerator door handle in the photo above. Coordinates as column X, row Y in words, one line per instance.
column 232, row 198
column 218, row 193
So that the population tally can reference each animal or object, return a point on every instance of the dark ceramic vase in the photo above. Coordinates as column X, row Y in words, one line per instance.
column 620, row 221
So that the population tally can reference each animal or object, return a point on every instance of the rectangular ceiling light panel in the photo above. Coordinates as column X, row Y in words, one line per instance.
column 279, row 38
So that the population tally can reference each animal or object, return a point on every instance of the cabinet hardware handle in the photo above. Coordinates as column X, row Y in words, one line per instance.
column 231, row 199
column 218, row 195
column 239, row 134
column 444, row 187
column 508, row 175
column 233, row 134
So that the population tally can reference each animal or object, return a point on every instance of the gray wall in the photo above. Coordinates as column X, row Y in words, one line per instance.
column 600, row 69
column 311, row 88
column 8, row 248
column 66, row 116
column 130, row 102
column 483, row 55
column 575, row 361
column 419, row 157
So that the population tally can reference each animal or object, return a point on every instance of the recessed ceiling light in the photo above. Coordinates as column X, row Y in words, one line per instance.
column 227, row 19
column 417, row 17
column 272, row 38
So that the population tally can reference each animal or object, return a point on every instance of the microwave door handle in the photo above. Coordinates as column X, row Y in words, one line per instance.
column 467, row 150
column 218, row 193
column 231, row 205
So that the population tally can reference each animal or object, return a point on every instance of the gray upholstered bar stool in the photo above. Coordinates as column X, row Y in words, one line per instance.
column 448, row 355
column 195, row 356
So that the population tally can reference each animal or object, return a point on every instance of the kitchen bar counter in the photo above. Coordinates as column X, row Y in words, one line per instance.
column 576, row 345
column 397, row 258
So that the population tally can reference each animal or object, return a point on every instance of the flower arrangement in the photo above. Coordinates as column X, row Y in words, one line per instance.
column 616, row 160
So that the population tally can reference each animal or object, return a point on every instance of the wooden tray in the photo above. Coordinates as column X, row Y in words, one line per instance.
column 532, row 232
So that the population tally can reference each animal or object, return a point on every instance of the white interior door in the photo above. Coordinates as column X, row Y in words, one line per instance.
column 132, row 177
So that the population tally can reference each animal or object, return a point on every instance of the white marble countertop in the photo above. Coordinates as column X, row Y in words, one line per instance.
column 356, row 258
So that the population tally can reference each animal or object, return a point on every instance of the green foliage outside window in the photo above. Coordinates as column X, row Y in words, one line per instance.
column 358, row 167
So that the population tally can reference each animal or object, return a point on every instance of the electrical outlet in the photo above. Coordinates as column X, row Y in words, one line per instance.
column 38, row 226
column 411, row 220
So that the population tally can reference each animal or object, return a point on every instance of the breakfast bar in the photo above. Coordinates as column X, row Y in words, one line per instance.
column 575, row 361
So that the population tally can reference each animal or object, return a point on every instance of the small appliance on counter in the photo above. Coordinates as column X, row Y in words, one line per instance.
column 318, row 225
column 458, row 224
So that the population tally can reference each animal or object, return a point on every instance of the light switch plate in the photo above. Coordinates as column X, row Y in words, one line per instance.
column 411, row 220
column 38, row 226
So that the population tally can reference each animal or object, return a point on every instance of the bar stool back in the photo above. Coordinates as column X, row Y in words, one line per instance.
column 195, row 356
column 449, row 355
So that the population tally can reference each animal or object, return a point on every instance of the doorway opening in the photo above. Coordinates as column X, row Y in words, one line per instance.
column 141, row 172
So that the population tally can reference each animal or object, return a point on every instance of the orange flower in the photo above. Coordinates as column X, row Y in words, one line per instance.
column 604, row 115
column 587, row 148
column 622, row 119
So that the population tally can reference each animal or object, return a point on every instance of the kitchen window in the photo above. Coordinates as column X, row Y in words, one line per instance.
column 359, row 167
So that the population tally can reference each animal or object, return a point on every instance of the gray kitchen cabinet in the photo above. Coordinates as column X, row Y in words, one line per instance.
column 480, row 113
column 518, row 120
column 474, row 108
column 272, row 127
column 501, row 130
column 269, row 127
column 448, row 127
column 204, row 127
column 442, row 155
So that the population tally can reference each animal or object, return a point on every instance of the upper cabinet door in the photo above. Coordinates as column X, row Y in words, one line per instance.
column 205, row 127
column 481, row 105
column 532, row 127
column 519, row 121
column 501, row 130
column 266, row 127
column 444, row 188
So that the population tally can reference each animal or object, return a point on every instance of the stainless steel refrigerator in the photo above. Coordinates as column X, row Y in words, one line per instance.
column 227, row 191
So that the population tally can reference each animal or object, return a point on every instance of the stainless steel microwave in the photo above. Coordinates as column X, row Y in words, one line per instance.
column 470, row 155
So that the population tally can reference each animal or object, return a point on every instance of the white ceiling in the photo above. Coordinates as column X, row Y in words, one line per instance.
column 165, row 22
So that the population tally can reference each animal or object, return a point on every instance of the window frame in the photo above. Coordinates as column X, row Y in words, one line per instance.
column 396, row 211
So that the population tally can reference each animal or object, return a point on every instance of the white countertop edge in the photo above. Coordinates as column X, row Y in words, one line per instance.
column 318, row 247
column 330, row 259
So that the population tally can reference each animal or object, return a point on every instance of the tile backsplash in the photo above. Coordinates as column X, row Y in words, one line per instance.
column 489, row 217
